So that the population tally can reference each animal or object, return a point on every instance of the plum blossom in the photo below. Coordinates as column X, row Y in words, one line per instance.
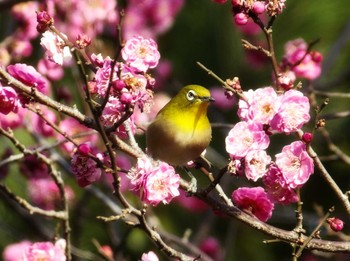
column 40, row 126
column 304, row 63
column 261, row 106
column 29, row 76
column 51, row 198
column 84, row 167
column 46, row 251
column 295, row 164
column 150, row 18
column 140, row 53
column 256, row 164
column 56, row 50
column 277, row 187
column 150, row 256
column 155, row 182
column 15, row 252
column 293, row 112
column 335, row 224
column 244, row 137
column 254, row 200
column 211, row 246
column 8, row 100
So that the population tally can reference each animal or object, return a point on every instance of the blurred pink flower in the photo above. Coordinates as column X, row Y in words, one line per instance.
column 15, row 252
column 13, row 120
column 40, row 126
column 261, row 107
column 155, row 182
column 84, row 167
column 51, row 198
column 29, row 76
column 211, row 246
column 256, row 164
column 71, row 127
column 52, row 71
column 277, row 187
column 46, row 251
column 26, row 17
column 140, row 53
column 254, row 200
column 245, row 137
column 295, row 164
column 8, row 100
column 304, row 63
column 55, row 48
column 293, row 112
column 191, row 203
column 222, row 100
column 33, row 168
column 20, row 49
column 150, row 18
column 150, row 256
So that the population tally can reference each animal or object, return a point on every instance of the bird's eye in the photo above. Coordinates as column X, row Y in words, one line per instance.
column 191, row 95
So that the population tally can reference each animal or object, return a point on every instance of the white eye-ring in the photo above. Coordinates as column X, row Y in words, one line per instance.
column 191, row 95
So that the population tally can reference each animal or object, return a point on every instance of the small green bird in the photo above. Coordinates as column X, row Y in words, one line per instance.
column 181, row 130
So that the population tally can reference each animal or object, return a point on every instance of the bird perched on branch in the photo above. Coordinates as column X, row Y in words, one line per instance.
column 181, row 130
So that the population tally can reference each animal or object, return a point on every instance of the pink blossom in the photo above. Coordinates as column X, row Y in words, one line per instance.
column 295, row 164
column 85, row 168
column 254, row 200
column 150, row 18
column 244, row 137
column 222, row 100
column 261, row 106
column 55, row 48
column 256, row 164
column 8, row 100
column 303, row 63
column 155, row 182
column 15, row 252
column 274, row 7
column 51, row 198
column 277, row 187
column 141, row 54
column 191, row 203
column 46, row 251
column 103, row 75
column 286, row 79
column 293, row 112
column 71, row 127
column 211, row 246
column 13, row 120
column 40, row 126
column 25, row 14
column 29, row 76
column 150, row 256
column 51, row 70
column 20, row 49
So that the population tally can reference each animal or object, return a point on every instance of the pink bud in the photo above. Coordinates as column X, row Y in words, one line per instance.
column 307, row 137
column 119, row 85
column 336, row 224
column 126, row 97
column 44, row 21
column 84, row 149
column 258, row 7
column 316, row 56
column 240, row 19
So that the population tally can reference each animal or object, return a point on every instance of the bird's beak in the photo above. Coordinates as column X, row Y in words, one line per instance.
column 207, row 99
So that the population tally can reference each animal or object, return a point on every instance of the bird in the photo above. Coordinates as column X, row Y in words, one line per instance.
column 181, row 131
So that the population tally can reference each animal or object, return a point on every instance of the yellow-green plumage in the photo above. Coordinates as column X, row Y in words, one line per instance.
column 181, row 131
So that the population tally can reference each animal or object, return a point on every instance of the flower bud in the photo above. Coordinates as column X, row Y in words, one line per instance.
column 336, row 224
column 44, row 21
column 240, row 19
column 84, row 149
column 307, row 137
column 118, row 85
column 126, row 97
column 258, row 7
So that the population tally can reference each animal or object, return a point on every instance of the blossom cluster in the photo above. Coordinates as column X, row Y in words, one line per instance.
column 263, row 113
column 27, row 251
column 155, row 182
